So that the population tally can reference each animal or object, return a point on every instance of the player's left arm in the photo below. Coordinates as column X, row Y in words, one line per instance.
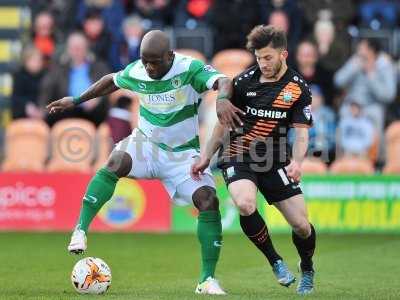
column 212, row 147
column 227, row 113
column 299, row 151
column 301, row 120
column 205, row 77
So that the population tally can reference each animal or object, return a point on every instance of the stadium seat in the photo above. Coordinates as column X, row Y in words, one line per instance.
column 312, row 165
column 352, row 165
column 73, row 142
column 392, row 136
column 14, row 17
column 9, row 51
column 193, row 53
column 26, row 145
column 6, row 83
column 104, row 145
column 239, row 58
column 200, row 39
column 231, row 71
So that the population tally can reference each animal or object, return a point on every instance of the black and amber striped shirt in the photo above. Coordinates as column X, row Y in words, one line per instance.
column 271, row 109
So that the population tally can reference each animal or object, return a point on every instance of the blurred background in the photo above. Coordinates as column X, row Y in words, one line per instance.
column 348, row 51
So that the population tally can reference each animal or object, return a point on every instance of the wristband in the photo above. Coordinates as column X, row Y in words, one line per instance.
column 220, row 97
column 77, row 100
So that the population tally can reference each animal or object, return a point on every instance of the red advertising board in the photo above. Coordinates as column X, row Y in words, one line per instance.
column 51, row 201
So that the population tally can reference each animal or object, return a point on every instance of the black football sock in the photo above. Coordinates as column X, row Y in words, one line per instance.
column 305, row 248
column 256, row 230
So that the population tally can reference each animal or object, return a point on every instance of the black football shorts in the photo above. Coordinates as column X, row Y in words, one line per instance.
column 274, row 184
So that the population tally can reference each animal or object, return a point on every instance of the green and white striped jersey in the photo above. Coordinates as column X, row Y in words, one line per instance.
column 169, row 106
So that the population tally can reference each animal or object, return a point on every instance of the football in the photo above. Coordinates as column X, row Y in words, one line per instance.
column 91, row 275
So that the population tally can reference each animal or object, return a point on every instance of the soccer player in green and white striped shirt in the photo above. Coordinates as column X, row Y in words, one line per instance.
column 169, row 86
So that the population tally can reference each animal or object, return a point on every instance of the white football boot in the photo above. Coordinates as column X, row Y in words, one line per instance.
column 78, row 242
column 209, row 287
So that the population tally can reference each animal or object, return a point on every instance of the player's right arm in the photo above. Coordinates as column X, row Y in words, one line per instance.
column 212, row 147
column 102, row 87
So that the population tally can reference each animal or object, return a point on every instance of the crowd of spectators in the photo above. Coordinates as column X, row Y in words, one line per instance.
column 353, row 79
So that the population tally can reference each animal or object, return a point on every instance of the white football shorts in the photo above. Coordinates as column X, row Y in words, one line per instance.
column 149, row 161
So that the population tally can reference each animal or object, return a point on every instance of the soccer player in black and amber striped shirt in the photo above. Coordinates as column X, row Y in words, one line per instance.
column 273, row 98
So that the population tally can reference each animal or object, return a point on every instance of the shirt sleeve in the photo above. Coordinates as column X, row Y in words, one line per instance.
column 204, row 76
column 235, row 99
column 122, row 78
column 301, row 110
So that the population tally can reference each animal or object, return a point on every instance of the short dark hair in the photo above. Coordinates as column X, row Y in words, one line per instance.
column 123, row 102
column 373, row 44
column 262, row 36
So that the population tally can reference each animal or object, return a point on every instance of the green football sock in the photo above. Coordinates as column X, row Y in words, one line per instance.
column 209, row 232
column 99, row 191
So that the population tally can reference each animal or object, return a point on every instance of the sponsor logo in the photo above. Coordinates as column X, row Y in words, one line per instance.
column 176, row 82
column 217, row 244
column 90, row 199
column 251, row 94
column 127, row 205
column 155, row 99
column 287, row 96
column 230, row 172
column 307, row 112
column 209, row 68
column 26, row 196
column 142, row 85
column 273, row 114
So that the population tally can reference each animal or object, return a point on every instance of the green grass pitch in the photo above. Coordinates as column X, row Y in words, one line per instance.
column 165, row 266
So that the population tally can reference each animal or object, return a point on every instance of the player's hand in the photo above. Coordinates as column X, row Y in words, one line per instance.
column 198, row 167
column 293, row 171
column 228, row 114
column 60, row 105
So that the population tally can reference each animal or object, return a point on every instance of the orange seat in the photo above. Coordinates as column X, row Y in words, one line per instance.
column 26, row 145
column 393, row 131
column 193, row 53
column 391, row 169
column 239, row 58
column 352, row 165
column 73, row 142
column 104, row 144
column 392, row 136
column 231, row 71
column 312, row 165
